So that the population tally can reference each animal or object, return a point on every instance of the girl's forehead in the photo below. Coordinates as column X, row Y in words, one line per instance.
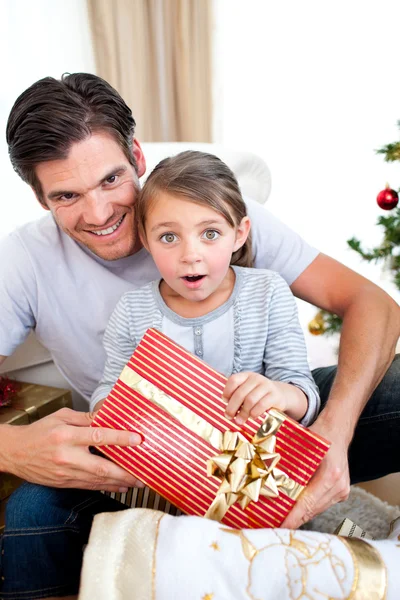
column 179, row 207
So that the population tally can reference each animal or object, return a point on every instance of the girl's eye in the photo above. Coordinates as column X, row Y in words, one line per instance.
column 168, row 238
column 211, row 234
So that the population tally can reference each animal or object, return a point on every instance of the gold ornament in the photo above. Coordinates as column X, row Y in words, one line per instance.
column 317, row 325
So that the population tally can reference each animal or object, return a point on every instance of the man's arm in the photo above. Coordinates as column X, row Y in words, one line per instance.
column 371, row 328
column 54, row 451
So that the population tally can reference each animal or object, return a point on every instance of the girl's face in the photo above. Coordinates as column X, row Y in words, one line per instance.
column 192, row 245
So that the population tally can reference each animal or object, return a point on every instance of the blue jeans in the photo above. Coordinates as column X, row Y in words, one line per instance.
column 46, row 529
column 375, row 449
column 42, row 547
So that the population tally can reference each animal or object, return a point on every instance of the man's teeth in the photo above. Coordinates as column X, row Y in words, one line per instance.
column 109, row 229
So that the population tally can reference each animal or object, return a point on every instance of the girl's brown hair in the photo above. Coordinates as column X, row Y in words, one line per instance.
column 203, row 179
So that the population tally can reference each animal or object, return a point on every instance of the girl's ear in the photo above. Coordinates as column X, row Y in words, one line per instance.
column 144, row 241
column 242, row 233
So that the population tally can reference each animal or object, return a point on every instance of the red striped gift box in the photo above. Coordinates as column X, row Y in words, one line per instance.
column 172, row 458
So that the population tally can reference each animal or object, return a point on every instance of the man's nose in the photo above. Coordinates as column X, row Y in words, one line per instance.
column 98, row 209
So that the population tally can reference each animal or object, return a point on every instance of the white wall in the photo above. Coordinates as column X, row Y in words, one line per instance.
column 37, row 38
column 313, row 87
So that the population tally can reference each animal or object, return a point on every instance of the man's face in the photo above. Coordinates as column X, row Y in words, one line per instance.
column 92, row 194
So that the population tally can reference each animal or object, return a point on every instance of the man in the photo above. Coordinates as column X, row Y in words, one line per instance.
column 73, row 142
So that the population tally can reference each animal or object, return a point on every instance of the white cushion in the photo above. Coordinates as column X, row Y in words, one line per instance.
column 251, row 171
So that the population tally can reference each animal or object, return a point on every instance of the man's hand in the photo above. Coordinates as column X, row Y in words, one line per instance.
column 251, row 394
column 54, row 451
column 330, row 484
column 371, row 327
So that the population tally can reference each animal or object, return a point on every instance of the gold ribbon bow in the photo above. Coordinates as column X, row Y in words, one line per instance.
column 248, row 469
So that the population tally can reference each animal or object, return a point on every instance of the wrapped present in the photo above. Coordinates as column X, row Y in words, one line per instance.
column 349, row 529
column 8, row 483
column 8, row 388
column 32, row 402
column 193, row 456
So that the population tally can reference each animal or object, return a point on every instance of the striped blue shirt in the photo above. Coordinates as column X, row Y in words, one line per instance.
column 256, row 329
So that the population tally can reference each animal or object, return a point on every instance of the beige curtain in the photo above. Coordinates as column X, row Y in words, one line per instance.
column 157, row 54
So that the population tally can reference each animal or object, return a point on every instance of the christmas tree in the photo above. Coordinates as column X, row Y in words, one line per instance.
column 388, row 252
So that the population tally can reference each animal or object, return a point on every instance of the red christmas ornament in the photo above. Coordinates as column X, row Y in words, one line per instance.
column 8, row 389
column 387, row 198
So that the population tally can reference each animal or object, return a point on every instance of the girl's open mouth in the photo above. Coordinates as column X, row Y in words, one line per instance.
column 193, row 281
column 192, row 278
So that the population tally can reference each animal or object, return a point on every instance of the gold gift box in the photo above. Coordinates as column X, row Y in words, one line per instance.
column 30, row 403
column 8, row 483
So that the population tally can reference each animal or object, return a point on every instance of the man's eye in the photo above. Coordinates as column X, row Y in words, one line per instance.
column 68, row 196
column 168, row 238
column 111, row 179
column 211, row 234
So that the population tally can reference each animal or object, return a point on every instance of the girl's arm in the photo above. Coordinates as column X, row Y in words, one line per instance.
column 285, row 355
column 286, row 382
column 119, row 346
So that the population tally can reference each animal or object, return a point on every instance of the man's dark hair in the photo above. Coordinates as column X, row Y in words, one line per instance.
column 53, row 114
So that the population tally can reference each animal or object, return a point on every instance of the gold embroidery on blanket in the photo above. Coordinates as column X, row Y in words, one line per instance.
column 215, row 546
column 370, row 581
column 301, row 555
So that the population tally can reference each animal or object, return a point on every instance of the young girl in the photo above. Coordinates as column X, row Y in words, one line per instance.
column 243, row 322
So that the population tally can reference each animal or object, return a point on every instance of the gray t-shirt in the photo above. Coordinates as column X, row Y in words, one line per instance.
column 57, row 287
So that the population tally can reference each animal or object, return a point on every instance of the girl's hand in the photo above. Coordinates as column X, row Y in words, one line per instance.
column 251, row 394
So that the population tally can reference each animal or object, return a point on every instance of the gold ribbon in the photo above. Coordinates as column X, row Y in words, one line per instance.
column 247, row 468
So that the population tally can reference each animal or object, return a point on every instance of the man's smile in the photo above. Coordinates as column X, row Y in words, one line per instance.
column 108, row 230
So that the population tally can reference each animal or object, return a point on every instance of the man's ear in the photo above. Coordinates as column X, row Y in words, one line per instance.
column 242, row 233
column 139, row 157
column 41, row 202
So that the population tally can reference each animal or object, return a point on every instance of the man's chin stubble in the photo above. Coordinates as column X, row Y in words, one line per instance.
column 111, row 253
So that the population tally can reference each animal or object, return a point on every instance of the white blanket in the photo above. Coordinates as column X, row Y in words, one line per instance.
column 140, row 554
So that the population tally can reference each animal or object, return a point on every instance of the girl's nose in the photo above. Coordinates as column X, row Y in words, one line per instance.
column 190, row 253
